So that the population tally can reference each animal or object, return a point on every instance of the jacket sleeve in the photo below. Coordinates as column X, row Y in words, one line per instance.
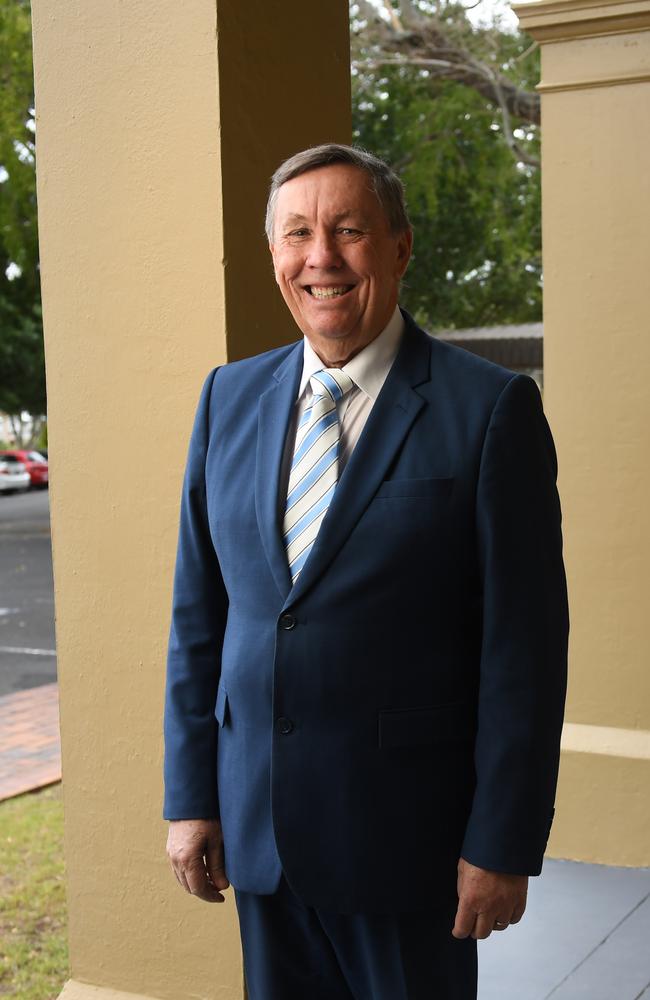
column 522, row 683
column 199, row 611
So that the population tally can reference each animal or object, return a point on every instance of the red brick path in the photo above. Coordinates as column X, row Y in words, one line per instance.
column 30, row 751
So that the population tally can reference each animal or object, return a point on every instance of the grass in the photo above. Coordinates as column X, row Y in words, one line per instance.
column 33, row 946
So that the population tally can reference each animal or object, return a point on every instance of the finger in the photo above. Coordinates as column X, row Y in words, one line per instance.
column 183, row 884
column 214, row 863
column 180, row 878
column 465, row 920
column 518, row 912
column 484, row 926
column 503, row 920
column 176, row 862
column 199, row 883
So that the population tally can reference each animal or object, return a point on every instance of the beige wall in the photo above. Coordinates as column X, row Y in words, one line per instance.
column 158, row 126
column 596, row 234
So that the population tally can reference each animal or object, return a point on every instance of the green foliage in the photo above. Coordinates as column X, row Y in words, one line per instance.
column 33, row 948
column 22, row 363
column 475, row 209
column 22, row 367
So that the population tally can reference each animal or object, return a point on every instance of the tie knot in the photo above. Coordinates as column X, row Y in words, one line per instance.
column 332, row 382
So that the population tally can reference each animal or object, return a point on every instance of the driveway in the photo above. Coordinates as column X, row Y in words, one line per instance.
column 27, row 651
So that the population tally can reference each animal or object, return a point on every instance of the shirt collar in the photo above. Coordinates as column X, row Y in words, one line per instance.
column 369, row 368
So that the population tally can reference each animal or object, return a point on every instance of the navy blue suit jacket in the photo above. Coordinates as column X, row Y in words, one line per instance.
column 401, row 705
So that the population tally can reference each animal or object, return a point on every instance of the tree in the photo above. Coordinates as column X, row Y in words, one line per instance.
column 451, row 107
column 22, row 366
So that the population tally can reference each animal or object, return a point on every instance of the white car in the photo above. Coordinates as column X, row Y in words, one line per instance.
column 13, row 476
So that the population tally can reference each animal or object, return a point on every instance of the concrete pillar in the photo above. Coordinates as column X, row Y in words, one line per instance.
column 596, row 236
column 158, row 126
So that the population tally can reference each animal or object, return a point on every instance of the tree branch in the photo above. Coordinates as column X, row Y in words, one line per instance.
column 429, row 43
column 392, row 16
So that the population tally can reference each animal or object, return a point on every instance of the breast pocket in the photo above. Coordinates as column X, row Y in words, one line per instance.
column 414, row 489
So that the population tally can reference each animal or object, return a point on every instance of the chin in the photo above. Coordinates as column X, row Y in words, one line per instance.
column 334, row 324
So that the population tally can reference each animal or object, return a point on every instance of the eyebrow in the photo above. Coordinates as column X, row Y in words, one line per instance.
column 295, row 217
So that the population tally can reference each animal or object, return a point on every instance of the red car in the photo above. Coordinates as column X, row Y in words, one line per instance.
column 35, row 464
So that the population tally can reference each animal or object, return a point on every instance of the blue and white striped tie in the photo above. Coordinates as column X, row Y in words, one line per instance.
column 315, row 466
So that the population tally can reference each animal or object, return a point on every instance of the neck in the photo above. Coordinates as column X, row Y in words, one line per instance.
column 337, row 353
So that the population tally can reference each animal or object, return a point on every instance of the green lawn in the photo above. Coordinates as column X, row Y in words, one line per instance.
column 33, row 947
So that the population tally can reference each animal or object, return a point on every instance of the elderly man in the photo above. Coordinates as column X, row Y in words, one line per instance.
column 367, row 661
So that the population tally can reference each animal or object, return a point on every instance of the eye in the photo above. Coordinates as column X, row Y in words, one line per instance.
column 348, row 231
column 298, row 232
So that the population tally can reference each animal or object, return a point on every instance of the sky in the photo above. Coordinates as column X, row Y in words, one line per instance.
column 484, row 12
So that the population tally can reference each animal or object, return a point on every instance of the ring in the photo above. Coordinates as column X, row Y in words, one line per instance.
column 498, row 923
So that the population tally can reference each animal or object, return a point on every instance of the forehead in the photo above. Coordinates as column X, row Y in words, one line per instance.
column 338, row 189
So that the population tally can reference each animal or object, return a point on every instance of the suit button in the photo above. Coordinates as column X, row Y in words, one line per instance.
column 283, row 726
column 287, row 621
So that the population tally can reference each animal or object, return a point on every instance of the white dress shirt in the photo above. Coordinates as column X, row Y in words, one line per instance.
column 368, row 370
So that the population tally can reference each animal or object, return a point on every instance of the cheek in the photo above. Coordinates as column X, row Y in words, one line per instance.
column 287, row 274
column 373, row 271
column 290, row 288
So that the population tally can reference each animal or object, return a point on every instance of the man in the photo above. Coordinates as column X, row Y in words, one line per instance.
column 367, row 659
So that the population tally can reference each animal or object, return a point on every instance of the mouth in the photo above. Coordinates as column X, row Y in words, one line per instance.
column 328, row 291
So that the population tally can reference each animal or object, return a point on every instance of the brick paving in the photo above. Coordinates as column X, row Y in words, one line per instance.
column 30, row 749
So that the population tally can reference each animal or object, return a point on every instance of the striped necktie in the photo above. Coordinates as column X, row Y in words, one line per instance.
column 315, row 466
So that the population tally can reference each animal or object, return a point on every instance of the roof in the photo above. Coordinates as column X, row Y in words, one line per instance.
column 515, row 346
column 509, row 332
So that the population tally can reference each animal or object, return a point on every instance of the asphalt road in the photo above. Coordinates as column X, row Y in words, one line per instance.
column 27, row 651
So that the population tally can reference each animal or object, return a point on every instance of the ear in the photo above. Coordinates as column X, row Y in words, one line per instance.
column 404, row 248
column 272, row 252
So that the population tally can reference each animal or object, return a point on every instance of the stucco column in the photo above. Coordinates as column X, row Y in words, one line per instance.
column 158, row 125
column 596, row 239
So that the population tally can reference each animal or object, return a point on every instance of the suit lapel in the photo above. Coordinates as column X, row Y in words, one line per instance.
column 390, row 419
column 275, row 409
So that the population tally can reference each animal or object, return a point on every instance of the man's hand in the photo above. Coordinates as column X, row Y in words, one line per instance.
column 487, row 901
column 195, row 849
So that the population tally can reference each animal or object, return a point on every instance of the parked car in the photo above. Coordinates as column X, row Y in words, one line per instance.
column 32, row 461
column 13, row 476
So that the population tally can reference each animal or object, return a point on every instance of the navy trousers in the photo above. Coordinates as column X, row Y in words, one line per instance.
column 296, row 952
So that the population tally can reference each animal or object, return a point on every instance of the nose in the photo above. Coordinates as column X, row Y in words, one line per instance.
column 323, row 251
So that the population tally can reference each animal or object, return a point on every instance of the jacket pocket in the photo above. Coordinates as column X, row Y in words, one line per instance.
column 419, row 727
column 221, row 707
column 413, row 488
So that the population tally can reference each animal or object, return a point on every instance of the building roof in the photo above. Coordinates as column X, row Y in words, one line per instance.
column 508, row 332
column 518, row 346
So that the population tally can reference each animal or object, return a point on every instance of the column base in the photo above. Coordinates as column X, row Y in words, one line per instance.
column 74, row 990
column 602, row 808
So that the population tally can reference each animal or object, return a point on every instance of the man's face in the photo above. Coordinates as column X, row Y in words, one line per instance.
column 335, row 260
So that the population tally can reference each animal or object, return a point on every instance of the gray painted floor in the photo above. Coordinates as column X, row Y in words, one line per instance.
column 585, row 936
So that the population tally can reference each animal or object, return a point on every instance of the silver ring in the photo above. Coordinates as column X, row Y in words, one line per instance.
column 497, row 923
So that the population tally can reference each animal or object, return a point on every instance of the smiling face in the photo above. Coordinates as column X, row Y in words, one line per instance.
column 336, row 262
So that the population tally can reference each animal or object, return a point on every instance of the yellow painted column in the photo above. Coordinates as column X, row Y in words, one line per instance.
column 158, row 126
column 596, row 241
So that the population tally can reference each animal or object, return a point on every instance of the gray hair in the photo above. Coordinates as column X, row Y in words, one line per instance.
column 386, row 184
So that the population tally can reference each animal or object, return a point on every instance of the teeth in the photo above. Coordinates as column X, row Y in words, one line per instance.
column 328, row 293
